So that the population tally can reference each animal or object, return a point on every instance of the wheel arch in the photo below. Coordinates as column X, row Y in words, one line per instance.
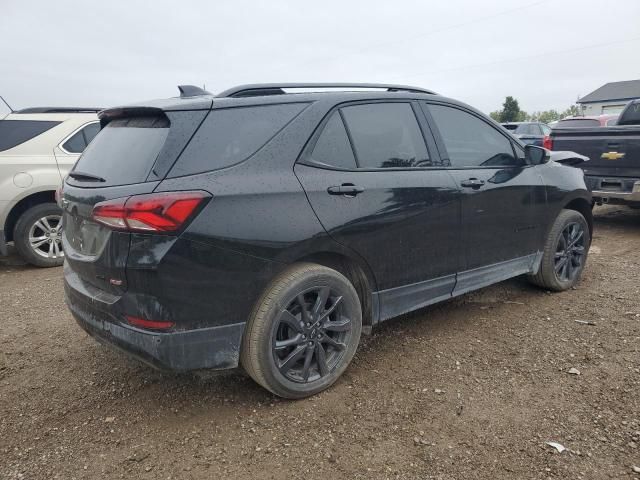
column 362, row 281
column 583, row 207
column 24, row 204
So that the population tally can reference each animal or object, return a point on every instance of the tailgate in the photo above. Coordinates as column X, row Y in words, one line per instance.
column 612, row 151
column 130, row 155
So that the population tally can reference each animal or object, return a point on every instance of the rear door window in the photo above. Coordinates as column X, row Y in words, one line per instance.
column 231, row 135
column 386, row 135
column 471, row 141
column 332, row 147
column 125, row 150
column 15, row 132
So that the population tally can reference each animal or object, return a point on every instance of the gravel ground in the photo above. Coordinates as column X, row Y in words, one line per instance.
column 472, row 388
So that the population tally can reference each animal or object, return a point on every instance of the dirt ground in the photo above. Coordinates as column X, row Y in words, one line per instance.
column 472, row 388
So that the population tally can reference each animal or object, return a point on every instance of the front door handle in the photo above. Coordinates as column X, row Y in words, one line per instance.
column 472, row 183
column 347, row 189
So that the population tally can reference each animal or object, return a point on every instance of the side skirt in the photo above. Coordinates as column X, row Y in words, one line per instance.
column 396, row 301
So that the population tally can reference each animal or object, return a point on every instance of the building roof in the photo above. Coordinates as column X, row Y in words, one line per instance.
column 626, row 90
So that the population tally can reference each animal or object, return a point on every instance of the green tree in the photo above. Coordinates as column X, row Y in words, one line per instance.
column 510, row 110
column 497, row 115
column 572, row 111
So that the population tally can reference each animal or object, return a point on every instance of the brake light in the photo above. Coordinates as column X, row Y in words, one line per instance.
column 547, row 142
column 149, row 324
column 155, row 212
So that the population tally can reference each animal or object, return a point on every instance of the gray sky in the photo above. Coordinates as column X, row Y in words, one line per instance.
column 544, row 53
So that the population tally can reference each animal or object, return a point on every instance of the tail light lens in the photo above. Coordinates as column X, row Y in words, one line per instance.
column 157, row 212
column 547, row 142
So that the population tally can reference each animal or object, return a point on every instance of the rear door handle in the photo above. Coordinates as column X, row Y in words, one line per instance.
column 348, row 189
column 472, row 183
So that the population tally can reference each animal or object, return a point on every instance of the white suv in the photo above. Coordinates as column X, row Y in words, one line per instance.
column 38, row 146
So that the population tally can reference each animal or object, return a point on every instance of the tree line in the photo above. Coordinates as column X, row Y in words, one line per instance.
column 511, row 113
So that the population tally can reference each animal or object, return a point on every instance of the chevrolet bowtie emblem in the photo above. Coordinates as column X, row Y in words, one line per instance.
column 612, row 155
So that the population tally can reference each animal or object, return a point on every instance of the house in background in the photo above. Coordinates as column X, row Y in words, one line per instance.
column 610, row 98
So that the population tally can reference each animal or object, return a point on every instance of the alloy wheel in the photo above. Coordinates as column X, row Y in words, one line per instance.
column 570, row 252
column 311, row 335
column 45, row 237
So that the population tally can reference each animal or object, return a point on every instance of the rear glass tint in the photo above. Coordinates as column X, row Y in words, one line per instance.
column 15, row 132
column 631, row 115
column 229, row 136
column 578, row 122
column 125, row 150
column 511, row 126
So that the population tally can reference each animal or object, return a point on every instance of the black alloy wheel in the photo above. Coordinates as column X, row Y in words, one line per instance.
column 311, row 335
column 570, row 252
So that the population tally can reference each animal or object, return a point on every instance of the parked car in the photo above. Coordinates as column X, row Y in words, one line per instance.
column 269, row 229
column 587, row 121
column 37, row 148
column 613, row 171
column 529, row 133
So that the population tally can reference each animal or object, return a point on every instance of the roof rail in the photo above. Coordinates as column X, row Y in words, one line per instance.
column 59, row 110
column 260, row 89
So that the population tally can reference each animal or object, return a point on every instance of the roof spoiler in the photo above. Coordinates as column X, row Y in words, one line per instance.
column 109, row 114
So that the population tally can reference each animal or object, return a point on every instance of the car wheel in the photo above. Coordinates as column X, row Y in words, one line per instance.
column 565, row 252
column 38, row 235
column 303, row 332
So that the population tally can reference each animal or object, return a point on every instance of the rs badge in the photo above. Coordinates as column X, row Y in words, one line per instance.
column 612, row 155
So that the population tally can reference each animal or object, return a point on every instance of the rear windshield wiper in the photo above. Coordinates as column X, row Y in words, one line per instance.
column 86, row 177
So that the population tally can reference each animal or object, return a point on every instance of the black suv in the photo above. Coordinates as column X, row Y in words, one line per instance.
column 269, row 229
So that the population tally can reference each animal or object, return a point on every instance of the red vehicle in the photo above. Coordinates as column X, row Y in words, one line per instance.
column 593, row 121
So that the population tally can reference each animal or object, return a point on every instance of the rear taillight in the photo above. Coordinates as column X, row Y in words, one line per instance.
column 149, row 324
column 547, row 142
column 155, row 212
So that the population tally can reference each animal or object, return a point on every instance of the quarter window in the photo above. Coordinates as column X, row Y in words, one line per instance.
column 386, row 135
column 15, row 132
column 545, row 130
column 333, row 147
column 470, row 141
column 79, row 141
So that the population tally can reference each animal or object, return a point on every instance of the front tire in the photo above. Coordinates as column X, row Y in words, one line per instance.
column 37, row 235
column 303, row 332
column 565, row 252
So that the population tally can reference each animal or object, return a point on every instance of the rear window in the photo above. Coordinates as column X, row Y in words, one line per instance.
column 578, row 122
column 510, row 126
column 631, row 115
column 229, row 136
column 15, row 132
column 125, row 150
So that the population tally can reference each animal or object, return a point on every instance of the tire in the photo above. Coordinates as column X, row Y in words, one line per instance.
column 562, row 264
column 277, row 331
column 47, row 250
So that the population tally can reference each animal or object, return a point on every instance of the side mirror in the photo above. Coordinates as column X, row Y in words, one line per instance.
column 536, row 155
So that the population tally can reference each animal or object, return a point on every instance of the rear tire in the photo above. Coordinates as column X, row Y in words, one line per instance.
column 303, row 332
column 37, row 235
column 565, row 252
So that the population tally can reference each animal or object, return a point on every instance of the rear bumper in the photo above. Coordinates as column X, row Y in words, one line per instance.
column 211, row 348
column 629, row 191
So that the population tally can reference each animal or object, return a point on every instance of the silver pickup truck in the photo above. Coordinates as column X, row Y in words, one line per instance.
column 37, row 148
